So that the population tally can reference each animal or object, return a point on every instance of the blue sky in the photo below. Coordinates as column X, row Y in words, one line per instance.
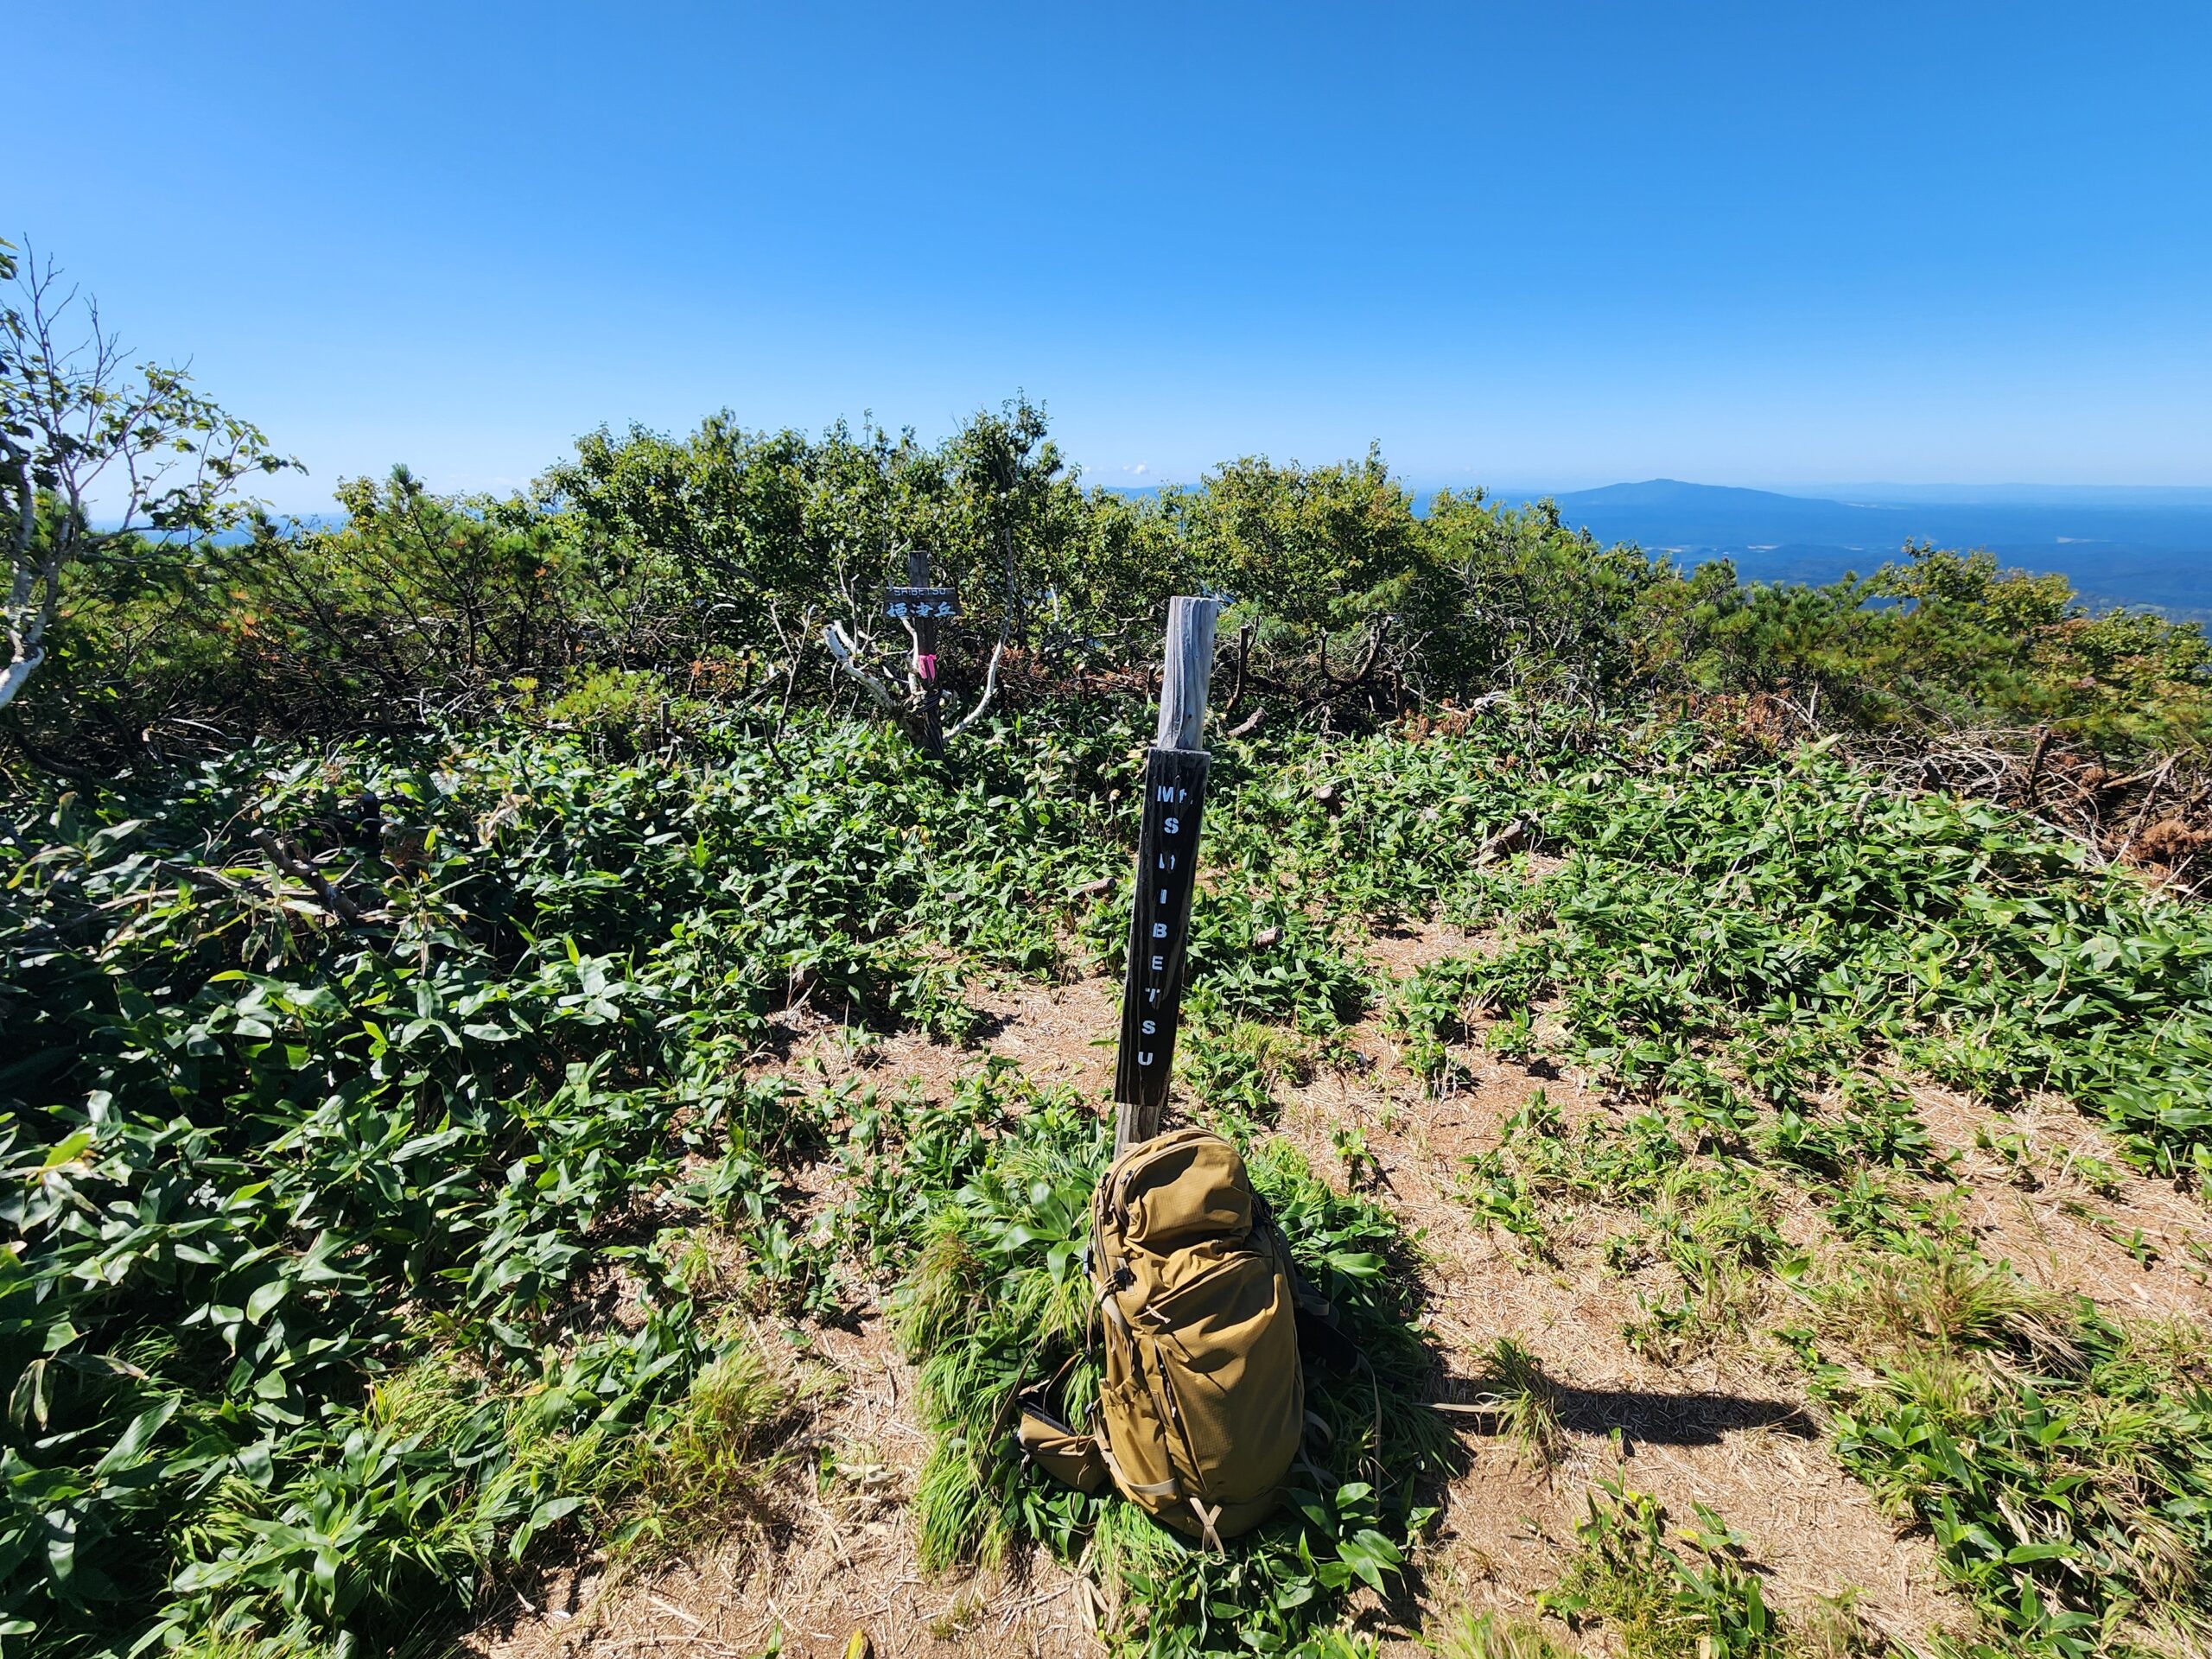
column 1549, row 245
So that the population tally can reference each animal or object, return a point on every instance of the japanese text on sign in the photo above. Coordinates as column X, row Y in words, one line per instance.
column 916, row 603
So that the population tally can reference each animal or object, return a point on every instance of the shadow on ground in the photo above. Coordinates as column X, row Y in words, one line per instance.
column 1655, row 1419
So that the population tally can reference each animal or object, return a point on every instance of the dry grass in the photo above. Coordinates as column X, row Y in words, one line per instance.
column 1708, row 1416
column 1927, row 1311
column 1493, row 1636
column 716, row 1475
column 834, row 1553
column 1526, row 1401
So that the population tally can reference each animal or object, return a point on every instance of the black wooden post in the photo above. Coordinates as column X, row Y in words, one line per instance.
column 1167, row 861
column 917, row 575
column 922, row 606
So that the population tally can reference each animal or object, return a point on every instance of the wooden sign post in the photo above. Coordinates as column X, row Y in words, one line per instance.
column 924, row 607
column 1167, row 860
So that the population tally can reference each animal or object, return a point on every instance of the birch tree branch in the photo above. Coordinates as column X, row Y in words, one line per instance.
column 990, row 685
column 846, row 655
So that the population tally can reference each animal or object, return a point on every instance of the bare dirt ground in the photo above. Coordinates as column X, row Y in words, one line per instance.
column 837, row 1555
column 1732, row 1429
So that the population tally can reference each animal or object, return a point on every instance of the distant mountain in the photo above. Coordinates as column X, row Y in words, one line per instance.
column 2151, row 548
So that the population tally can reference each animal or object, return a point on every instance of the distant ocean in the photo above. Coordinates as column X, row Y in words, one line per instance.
column 2145, row 547
column 2148, row 546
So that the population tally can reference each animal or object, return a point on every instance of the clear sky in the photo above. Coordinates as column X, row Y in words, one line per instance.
column 1550, row 244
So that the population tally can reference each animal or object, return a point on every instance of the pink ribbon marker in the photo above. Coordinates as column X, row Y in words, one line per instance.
column 925, row 665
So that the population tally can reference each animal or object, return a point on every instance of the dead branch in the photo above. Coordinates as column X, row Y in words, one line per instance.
column 288, row 861
column 846, row 655
column 990, row 685
column 1243, row 658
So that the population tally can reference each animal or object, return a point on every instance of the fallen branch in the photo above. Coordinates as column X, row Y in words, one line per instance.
column 2035, row 766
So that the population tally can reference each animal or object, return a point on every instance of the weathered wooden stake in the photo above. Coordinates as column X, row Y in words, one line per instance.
column 1167, row 858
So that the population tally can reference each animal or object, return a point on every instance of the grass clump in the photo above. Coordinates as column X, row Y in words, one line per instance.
column 1712, row 1224
column 1444, row 1003
column 998, row 1295
column 1690, row 1596
column 709, row 1473
column 2061, row 1460
column 1524, row 1399
column 1496, row 1636
column 1237, row 1064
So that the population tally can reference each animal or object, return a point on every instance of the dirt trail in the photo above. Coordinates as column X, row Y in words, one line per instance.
column 1729, row 1430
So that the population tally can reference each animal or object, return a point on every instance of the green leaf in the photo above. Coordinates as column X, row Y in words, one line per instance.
column 264, row 1298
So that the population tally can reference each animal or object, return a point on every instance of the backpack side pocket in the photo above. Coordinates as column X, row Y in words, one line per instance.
column 1072, row 1460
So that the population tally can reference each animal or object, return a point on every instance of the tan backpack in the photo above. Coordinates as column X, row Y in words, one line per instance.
column 1201, row 1409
